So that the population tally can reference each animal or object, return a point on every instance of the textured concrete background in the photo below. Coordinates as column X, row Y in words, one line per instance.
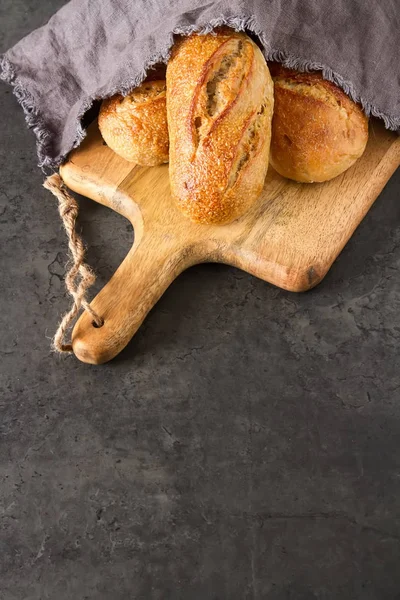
column 245, row 445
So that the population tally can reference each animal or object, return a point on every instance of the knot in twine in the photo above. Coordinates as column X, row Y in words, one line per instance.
column 79, row 276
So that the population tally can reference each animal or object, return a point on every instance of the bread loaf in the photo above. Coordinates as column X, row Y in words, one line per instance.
column 219, row 106
column 135, row 127
column 317, row 131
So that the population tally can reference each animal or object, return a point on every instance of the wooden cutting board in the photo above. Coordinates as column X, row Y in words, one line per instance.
column 289, row 238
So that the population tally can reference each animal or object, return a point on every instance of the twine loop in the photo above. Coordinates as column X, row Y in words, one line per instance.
column 79, row 277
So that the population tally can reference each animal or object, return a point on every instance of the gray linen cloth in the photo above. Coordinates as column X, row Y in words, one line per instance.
column 91, row 49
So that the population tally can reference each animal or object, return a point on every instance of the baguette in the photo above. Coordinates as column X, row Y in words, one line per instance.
column 219, row 107
column 317, row 131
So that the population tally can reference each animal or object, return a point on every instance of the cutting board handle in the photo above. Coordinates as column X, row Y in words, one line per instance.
column 125, row 301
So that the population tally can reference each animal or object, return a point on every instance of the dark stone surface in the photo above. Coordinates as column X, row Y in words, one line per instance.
column 245, row 444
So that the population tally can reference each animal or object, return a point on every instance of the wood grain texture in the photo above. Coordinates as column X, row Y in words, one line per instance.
column 290, row 237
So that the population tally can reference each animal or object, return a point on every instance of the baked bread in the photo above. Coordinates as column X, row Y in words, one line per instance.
column 219, row 106
column 135, row 127
column 317, row 131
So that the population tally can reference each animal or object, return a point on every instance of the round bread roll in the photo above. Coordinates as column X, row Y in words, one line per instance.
column 317, row 131
column 135, row 127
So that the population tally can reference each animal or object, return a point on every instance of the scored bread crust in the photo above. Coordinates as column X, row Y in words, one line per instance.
column 135, row 126
column 318, row 132
column 219, row 106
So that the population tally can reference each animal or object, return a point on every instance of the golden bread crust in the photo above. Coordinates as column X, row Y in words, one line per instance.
column 219, row 106
column 135, row 127
column 318, row 132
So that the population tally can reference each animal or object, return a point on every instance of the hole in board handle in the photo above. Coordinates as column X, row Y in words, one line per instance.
column 98, row 325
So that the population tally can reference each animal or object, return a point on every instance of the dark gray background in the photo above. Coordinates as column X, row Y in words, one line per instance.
column 245, row 445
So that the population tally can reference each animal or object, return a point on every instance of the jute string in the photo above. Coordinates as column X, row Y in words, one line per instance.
column 79, row 276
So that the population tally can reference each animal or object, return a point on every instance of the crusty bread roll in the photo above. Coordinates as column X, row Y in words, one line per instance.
column 219, row 106
column 135, row 127
column 317, row 131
